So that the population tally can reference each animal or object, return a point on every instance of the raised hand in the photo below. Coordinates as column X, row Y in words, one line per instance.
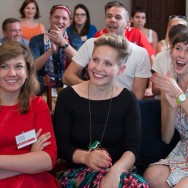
column 169, row 86
column 56, row 36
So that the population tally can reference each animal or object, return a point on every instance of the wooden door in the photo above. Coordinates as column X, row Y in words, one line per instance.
column 158, row 12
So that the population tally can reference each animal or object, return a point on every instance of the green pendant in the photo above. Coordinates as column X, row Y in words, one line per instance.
column 94, row 145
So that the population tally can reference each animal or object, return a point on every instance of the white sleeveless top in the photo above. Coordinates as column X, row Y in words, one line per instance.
column 150, row 38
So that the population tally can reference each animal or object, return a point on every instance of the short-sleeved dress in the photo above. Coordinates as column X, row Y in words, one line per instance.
column 177, row 160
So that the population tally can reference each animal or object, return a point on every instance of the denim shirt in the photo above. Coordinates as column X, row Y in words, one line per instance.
column 76, row 40
column 37, row 48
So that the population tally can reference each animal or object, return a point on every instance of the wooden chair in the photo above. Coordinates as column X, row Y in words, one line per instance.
column 47, row 84
column 60, row 164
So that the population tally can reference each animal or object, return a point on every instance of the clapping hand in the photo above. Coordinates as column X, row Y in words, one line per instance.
column 169, row 86
column 56, row 36
column 166, row 83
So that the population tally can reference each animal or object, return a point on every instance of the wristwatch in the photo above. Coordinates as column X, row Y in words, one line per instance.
column 182, row 97
column 65, row 45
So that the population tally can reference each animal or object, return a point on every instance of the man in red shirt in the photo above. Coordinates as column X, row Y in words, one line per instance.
column 132, row 34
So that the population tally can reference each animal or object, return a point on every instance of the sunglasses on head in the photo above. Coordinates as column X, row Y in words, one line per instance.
column 176, row 16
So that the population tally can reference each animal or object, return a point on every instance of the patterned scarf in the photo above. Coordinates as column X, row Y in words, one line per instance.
column 54, row 67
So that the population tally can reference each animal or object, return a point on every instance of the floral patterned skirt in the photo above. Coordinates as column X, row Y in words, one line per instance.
column 88, row 178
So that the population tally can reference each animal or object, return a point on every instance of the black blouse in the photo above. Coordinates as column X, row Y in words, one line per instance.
column 72, row 124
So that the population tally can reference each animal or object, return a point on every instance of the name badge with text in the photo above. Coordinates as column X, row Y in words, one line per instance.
column 26, row 139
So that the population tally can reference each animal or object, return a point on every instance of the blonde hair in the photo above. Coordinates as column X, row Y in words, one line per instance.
column 11, row 50
column 117, row 42
column 170, row 22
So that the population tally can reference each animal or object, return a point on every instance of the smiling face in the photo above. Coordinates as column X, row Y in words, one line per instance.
column 30, row 10
column 180, row 58
column 13, row 74
column 116, row 20
column 13, row 32
column 60, row 18
column 139, row 20
column 103, row 66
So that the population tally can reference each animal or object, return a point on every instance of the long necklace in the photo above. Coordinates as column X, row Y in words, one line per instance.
column 96, row 144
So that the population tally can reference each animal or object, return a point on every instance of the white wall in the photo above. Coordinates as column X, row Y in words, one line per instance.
column 10, row 8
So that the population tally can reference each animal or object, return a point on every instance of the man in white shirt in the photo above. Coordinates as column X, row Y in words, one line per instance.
column 135, row 77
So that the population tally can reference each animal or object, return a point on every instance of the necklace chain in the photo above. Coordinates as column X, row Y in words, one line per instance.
column 109, row 108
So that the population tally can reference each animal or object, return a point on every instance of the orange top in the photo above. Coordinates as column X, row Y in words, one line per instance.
column 29, row 32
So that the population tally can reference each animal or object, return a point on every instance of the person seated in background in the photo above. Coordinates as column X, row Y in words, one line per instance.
column 52, row 50
column 12, row 31
column 138, row 18
column 163, row 45
column 172, row 171
column 27, row 142
column 134, row 35
column 80, row 29
column 163, row 61
column 29, row 11
column 137, row 72
column 98, row 125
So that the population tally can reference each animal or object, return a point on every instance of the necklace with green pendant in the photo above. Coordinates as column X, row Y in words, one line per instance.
column 96, row 144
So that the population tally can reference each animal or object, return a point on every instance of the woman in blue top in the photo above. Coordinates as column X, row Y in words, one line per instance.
column 80, row 30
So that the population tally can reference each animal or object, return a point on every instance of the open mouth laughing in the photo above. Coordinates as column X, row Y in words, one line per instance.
column 180, row 64
column 112, row 27
column 60, row 26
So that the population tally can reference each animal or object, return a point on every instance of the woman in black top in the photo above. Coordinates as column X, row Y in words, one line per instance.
column 97, row 123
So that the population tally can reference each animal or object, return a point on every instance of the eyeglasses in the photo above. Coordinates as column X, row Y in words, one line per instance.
column 82, row 14
column 176, row 16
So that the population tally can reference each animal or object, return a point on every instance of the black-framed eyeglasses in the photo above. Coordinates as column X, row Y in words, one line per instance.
column 82, row 14
column 176, row 16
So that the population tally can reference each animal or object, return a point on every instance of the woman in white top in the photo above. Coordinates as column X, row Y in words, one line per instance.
column 172, row 171
column 138, row 18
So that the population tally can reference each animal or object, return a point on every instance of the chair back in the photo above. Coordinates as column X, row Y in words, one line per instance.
column 47, row 84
